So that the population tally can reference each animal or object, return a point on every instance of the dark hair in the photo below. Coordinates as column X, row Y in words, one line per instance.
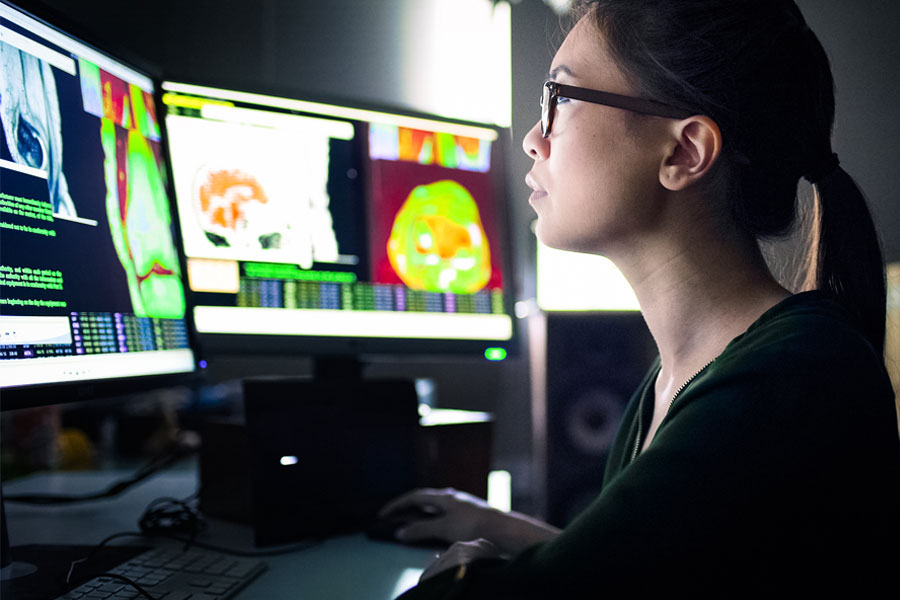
column 757, row 70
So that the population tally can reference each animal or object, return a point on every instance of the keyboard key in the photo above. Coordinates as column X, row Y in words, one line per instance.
column 216, row 569
column 241, row 569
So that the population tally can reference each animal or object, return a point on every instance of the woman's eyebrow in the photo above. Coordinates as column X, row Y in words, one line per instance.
column 553, row 74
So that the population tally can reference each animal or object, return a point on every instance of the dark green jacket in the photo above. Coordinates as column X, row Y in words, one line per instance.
column 776, row 471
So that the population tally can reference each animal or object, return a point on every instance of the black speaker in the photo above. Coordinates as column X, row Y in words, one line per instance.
column 594, row 362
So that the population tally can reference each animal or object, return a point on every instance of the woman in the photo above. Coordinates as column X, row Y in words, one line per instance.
column 760, row 453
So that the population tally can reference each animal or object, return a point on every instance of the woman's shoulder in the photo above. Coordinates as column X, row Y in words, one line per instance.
column 807, row 331
column 801, row 378
column 802, row 357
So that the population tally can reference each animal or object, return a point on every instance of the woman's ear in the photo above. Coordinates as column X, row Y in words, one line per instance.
column 696, row 145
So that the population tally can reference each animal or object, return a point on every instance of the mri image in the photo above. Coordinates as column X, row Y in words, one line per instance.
column 29, row 112
column 257, row 189
column 438, row 242
column 230, row 205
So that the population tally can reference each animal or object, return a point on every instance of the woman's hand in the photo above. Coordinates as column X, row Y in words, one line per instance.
column 460, row 517
column 460, row 553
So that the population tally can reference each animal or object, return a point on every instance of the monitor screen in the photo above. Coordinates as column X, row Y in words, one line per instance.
column 327, row 228
column 575, row 281
column 90, row 279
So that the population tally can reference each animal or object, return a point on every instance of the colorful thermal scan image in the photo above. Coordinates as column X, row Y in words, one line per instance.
column 438, row 243
column 29, row 113
column 108, row 97
column 390, row 142
column 138, row 210
column 137, row 205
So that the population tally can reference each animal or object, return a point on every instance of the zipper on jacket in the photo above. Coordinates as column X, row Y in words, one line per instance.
column 640, row 423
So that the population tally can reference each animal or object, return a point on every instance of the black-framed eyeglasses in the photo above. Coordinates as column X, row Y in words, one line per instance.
column 553, row 90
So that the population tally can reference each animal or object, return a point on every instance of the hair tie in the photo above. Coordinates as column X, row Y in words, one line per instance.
column 823, row 169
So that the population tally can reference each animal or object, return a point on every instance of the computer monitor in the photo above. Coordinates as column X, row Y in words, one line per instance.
column 328, row 229
column 91, row 294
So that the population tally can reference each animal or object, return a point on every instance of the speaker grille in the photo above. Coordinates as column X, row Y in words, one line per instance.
column 594, row 362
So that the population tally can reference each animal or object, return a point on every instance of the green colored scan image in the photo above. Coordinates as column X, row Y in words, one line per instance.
column 140, row 225
column 438, row 243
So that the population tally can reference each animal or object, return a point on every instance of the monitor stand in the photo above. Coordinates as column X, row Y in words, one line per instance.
column 337, row 368
column 9, row 568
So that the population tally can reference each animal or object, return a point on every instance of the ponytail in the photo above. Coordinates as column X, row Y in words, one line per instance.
column 845, row 255
column 758, row 70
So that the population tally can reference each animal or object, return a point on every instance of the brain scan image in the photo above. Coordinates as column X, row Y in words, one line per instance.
column 231, row 206
column 437, row 241
column 29, row 112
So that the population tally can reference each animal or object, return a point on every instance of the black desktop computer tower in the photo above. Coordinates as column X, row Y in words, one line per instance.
column 311, row 459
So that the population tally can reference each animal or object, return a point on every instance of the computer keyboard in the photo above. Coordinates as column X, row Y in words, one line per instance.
column 173, row 574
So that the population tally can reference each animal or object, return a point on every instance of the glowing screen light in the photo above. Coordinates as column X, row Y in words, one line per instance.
column 449, row 37
column 495, row 354
column 408, row 578
column 572, row 281
column 500, row 490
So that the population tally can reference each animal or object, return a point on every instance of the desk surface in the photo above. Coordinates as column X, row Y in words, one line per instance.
column 349, row 566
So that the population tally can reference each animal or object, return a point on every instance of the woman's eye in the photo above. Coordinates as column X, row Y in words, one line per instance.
column 561, row 100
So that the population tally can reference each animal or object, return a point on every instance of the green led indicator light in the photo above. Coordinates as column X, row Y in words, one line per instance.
column 495, row 353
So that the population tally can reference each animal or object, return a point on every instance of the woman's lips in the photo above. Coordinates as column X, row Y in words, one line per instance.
column 537, row 192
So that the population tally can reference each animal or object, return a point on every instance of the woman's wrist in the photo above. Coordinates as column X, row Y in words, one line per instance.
column 512, row 532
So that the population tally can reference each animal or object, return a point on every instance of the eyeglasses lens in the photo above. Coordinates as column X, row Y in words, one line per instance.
column 546, row 109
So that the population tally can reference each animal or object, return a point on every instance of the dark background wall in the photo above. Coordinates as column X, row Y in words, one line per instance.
column 862, row 42
column 352, row 49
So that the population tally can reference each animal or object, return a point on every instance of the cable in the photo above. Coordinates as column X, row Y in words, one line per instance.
column 69, row 585
column 262, row 553
column 177, row 451
column 184, row 518
column 95, row 549
column 130, row 582
column 163, row 516
column 167, row 522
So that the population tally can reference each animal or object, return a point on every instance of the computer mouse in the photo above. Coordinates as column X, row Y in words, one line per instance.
column 385, row 527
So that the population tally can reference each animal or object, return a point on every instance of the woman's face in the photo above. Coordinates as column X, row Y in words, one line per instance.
column 596, row 176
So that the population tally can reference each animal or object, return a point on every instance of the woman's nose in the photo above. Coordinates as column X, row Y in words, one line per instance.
column 535, row 144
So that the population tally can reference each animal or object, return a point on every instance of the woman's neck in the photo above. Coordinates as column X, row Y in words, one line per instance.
column 703, row 294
